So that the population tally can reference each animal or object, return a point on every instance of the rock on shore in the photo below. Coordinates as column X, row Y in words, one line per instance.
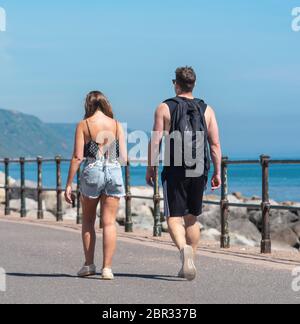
column 245, row 224
column 2, row 183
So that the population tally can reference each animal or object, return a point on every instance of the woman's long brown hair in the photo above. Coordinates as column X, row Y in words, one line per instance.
column 96, row 100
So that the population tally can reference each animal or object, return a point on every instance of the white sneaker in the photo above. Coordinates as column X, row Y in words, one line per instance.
column 107, row 274
column 189, row 270
column 87, row 271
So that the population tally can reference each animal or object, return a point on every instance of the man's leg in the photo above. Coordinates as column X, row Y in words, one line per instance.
column 195, row 203
column 177, row 231
column 192, row 231
column 176, row 203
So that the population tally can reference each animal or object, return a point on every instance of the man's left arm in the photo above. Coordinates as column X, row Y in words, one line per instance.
column 215, row 147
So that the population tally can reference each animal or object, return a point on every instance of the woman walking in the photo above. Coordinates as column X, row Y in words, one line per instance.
column 100, row 140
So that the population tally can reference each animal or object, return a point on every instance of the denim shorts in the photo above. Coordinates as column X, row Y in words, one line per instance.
column 102, row 178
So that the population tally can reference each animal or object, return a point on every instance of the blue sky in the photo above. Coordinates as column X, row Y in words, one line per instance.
column 245, row 53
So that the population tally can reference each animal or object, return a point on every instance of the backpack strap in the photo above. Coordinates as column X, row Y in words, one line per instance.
column 202, row 106
column 172, row 104
column 175, row 99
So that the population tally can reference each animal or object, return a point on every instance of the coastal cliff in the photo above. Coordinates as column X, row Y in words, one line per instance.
column 26, row 135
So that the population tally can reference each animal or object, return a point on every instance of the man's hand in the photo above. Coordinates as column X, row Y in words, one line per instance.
column 150, row 176
column 216, row 182
column 68, row 195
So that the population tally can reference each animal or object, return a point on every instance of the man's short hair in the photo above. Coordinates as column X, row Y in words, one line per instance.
column 186, row 78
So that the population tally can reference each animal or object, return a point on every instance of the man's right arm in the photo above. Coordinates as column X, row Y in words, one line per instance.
column 215, row 147
column 155, row 142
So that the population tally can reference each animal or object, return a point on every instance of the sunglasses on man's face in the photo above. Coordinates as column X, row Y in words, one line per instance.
column 174, row 82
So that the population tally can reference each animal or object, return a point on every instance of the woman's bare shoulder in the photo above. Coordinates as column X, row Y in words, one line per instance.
column 81, row 125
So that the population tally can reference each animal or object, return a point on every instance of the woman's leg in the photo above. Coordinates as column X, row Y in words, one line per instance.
column 89, row 209
column 110, row 208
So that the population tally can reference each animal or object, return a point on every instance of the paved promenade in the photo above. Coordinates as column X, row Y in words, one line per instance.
column 41, row 263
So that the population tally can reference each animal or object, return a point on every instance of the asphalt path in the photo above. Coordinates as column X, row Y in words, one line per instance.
column 41, row 265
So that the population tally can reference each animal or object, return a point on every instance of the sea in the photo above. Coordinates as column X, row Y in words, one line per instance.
column 247, row 179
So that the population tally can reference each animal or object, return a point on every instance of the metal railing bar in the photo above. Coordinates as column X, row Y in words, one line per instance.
column 292, row 208
column 210, row 202
column 242, row 162
column 265, row 206
column 285, row 162
column 141, row 197
column 275, row 161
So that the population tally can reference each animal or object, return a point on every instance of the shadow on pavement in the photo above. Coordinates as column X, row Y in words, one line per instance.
column 151, row 277
column 118, row 275
column 40, row 275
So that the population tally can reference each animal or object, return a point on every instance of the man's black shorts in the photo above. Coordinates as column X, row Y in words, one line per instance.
column 183, row 196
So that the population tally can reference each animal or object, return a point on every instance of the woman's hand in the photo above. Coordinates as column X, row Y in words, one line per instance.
column 216, row 182
column 150, row 176
column 68, row 195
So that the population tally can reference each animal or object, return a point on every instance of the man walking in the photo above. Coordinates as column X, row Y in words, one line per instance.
column 187, row 163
